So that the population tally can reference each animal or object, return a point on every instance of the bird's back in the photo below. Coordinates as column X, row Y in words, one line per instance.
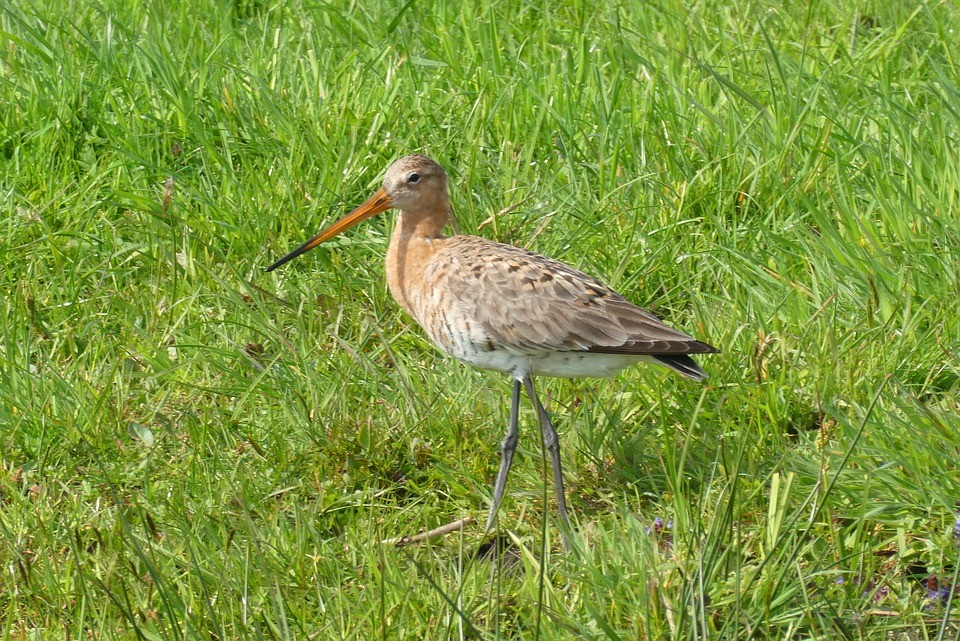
column 502, row 307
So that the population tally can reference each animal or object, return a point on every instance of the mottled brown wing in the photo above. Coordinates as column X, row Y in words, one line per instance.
column 530, row 303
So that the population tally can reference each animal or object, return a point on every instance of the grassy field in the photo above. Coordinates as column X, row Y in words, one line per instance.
column 191, row 448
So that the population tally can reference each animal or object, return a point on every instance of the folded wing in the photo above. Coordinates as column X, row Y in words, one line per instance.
column 531, row 304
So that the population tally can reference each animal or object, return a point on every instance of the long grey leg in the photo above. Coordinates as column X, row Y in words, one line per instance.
column 551, row 443
column 507, row 448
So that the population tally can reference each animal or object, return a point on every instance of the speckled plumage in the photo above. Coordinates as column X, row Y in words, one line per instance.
column 501, row 307
column 505, row 308
column 476, row 297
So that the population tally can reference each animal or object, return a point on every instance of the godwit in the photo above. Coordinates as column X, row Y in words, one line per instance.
column 504, row 308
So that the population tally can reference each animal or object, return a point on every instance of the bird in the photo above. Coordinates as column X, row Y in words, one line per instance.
column 504, row 308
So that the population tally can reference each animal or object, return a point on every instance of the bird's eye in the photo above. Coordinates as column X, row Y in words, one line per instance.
column 413, row 178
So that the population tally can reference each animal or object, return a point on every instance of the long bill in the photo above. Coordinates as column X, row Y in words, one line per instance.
column 377, row 203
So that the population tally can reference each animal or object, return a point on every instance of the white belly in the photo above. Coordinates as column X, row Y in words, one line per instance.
column 471, row 344
column 557, row 364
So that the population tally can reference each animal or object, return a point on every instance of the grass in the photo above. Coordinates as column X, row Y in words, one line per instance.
column 192, row 448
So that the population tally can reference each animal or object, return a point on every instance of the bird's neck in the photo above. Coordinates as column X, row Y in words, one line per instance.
column 415, row 241
column 421, row 225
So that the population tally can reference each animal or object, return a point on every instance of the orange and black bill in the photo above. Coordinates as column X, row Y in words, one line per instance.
column 377, row 203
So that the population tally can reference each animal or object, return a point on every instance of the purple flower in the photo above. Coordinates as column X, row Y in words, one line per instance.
column 657, row 526
column 660, row 529
column 882, row 593
column 937, row 593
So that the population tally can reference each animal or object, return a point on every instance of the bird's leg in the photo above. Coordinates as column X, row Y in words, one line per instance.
column 507, row 448
column 551, row 443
